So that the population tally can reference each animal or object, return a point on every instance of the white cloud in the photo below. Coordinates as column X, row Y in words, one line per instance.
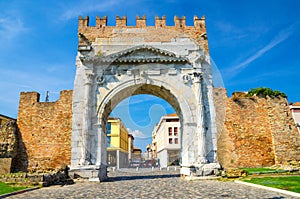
column 262, row 77
column 279, row 38
column 10, row 27
column 138, row 100
column 72, row 12
column 137, row 133
column 226, row 27
column 14, row 81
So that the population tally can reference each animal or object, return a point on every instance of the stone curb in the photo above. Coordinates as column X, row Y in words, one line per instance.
column 195, row 178
column 269, row 188
column 17, row 192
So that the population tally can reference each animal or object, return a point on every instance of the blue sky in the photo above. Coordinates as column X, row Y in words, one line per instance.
column 252, row 43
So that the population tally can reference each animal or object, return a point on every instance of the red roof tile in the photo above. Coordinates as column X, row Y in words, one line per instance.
column 296, row 104
column 172, row 114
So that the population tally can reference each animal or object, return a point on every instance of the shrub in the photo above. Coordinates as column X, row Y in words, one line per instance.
column 265, row 92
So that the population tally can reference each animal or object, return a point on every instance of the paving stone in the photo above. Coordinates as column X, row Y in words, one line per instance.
column 151, row 184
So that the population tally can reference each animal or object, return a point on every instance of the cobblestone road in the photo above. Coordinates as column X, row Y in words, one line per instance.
column 151, row 184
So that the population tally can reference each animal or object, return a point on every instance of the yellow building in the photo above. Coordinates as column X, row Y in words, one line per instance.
column 117, row 143
column 137, row 154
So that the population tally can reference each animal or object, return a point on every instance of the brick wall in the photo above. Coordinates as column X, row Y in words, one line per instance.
column 255, row 132
column 45, row 129
column 252, row 132
column 8, row 138
column 8, row 144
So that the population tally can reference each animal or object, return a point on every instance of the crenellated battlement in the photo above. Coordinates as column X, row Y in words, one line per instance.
column 101, row 22
column 141, row 22
column 121, row 21
column 160, row 22
column 159, row 32
column 199, row 22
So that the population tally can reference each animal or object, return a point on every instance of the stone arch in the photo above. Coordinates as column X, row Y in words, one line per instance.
column 156, row 88
column 161, row 89
column 102, row 82
column 110, row 61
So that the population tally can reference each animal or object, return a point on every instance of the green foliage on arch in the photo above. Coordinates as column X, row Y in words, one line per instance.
column 265, row 92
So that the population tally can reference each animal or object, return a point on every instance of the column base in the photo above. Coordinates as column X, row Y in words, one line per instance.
column 102, row 174
column 187, row 170
column 89, row 172
column 197, row 170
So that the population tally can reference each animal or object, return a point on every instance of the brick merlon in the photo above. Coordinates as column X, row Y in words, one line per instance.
column 141, row 21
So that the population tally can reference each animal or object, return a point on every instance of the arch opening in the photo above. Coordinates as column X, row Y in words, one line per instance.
column 145, row 119
column 114, row 100
column 141, row 89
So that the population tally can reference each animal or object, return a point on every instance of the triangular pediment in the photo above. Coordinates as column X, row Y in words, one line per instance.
column 143, row 54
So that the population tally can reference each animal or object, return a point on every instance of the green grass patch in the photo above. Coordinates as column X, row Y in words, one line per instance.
column 5, row 188
column 290, row 183
column 259, row 170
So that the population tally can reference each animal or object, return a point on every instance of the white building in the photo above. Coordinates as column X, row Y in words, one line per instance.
column 166, row 140
column 295, row 109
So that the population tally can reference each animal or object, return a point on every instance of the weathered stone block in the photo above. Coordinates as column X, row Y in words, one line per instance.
column 5, row 165
column 235, row 173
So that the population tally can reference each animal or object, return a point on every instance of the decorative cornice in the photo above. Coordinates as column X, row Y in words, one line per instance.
column 121, row 57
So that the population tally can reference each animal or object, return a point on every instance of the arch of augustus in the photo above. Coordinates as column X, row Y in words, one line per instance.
column 116, row 62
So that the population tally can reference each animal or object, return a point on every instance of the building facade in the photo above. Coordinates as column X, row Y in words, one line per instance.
column 117, row 143
column 295, row 109
column 166, row 140
column 137, row 154
column 130, row 146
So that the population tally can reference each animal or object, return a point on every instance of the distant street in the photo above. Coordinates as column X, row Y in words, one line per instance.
column 145, row 183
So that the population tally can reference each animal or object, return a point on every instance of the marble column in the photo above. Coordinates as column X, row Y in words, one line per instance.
column 86, row 124
column 101, row 161
column 101, row 158
column 201, row 141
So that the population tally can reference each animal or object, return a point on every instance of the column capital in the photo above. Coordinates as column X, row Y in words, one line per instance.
column 197, row 77
column 89, row 78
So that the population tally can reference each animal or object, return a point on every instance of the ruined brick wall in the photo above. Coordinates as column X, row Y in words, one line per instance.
column 8, row 144
column 8, row 139
column 45, row 129
column 141, row 32
column 256, row 131
column 286, row 137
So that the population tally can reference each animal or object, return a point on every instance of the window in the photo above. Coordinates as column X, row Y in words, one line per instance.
column 170, row 131
column 170, row 141
column 175, row 131
column 108, row 141
column 108, row 127
column 176, row 140
column 172, row 120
